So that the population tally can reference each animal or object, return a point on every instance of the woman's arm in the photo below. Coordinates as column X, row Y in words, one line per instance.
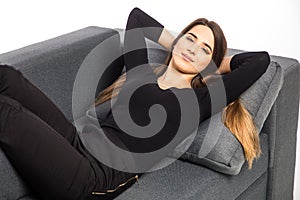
column 151, row 28
column 245, row 69
column 225, row 65
column 157, row 34
column 166, row 39
column 139, row 25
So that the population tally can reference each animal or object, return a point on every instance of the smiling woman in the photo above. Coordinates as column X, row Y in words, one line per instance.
column 195, row 55
column 196, row 60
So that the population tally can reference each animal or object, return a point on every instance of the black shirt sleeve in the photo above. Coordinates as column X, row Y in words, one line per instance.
column 139, row 19
column 139, row 25
column 246, row 68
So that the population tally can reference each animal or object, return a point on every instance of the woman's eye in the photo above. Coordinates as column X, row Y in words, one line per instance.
column 189, row 39
column 205, row 51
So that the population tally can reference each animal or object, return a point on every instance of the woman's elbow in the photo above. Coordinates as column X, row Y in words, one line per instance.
column 264, row 59
column 135, row 11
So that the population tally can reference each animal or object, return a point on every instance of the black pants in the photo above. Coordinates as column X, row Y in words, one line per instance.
column 44, row 146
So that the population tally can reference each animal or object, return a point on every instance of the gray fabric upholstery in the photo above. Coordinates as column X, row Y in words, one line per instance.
column 222, row 153
column 260, row 97
column 282, row 128
column 256, row 190
column 11, row 185
column 54, row 63
column 182, row 180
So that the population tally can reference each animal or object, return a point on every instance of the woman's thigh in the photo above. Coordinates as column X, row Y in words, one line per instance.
column 14, row 85
column 46, row 161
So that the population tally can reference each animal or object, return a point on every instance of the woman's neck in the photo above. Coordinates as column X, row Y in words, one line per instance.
column 174, row 78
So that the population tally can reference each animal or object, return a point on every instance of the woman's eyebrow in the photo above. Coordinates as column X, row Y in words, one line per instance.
column 203, row 42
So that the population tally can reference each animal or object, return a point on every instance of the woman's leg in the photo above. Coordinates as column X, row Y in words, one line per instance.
column 14, row 85
column 45, row 159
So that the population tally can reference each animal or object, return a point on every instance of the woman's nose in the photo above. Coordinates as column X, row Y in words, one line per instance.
column 191, row 51
column 194, row 49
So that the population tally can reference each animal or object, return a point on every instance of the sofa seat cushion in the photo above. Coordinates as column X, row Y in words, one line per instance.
column 184, row 180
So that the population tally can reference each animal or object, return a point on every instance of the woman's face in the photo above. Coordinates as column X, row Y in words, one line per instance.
column 193, row 51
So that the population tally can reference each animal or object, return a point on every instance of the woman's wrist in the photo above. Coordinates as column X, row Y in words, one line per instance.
column 225, row 65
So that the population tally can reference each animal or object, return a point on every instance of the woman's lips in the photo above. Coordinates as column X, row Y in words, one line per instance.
column 186, row 57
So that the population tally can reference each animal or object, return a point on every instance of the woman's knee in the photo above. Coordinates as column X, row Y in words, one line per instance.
column 9, row 75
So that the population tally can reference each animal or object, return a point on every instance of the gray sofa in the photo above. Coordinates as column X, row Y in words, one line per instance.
column 53, row 64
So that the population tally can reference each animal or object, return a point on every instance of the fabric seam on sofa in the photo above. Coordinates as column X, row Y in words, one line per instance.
column 259, row 108
column 237, row 147
column 291, row 67
column 254, row 182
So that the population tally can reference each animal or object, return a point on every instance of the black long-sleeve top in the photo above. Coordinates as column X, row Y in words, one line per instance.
column 150, row 117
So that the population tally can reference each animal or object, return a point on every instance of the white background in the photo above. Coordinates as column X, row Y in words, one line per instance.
column 271, row 25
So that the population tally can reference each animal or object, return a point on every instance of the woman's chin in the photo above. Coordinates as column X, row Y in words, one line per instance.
column 185, row 67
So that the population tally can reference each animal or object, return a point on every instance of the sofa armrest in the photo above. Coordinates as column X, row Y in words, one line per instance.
column 54, row 63
column 281, row 126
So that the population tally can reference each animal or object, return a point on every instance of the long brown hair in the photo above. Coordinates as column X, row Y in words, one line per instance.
column 235, row 116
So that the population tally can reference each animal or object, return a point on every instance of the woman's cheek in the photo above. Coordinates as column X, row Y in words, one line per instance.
column 202, row 63
column 183, row 66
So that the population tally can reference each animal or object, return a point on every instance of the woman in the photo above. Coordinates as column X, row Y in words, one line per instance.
column 57, row 163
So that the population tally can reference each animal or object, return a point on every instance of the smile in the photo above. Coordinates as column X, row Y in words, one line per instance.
column 186, row 57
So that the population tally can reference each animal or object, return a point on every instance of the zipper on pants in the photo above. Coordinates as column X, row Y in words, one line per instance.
column 120, row 185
